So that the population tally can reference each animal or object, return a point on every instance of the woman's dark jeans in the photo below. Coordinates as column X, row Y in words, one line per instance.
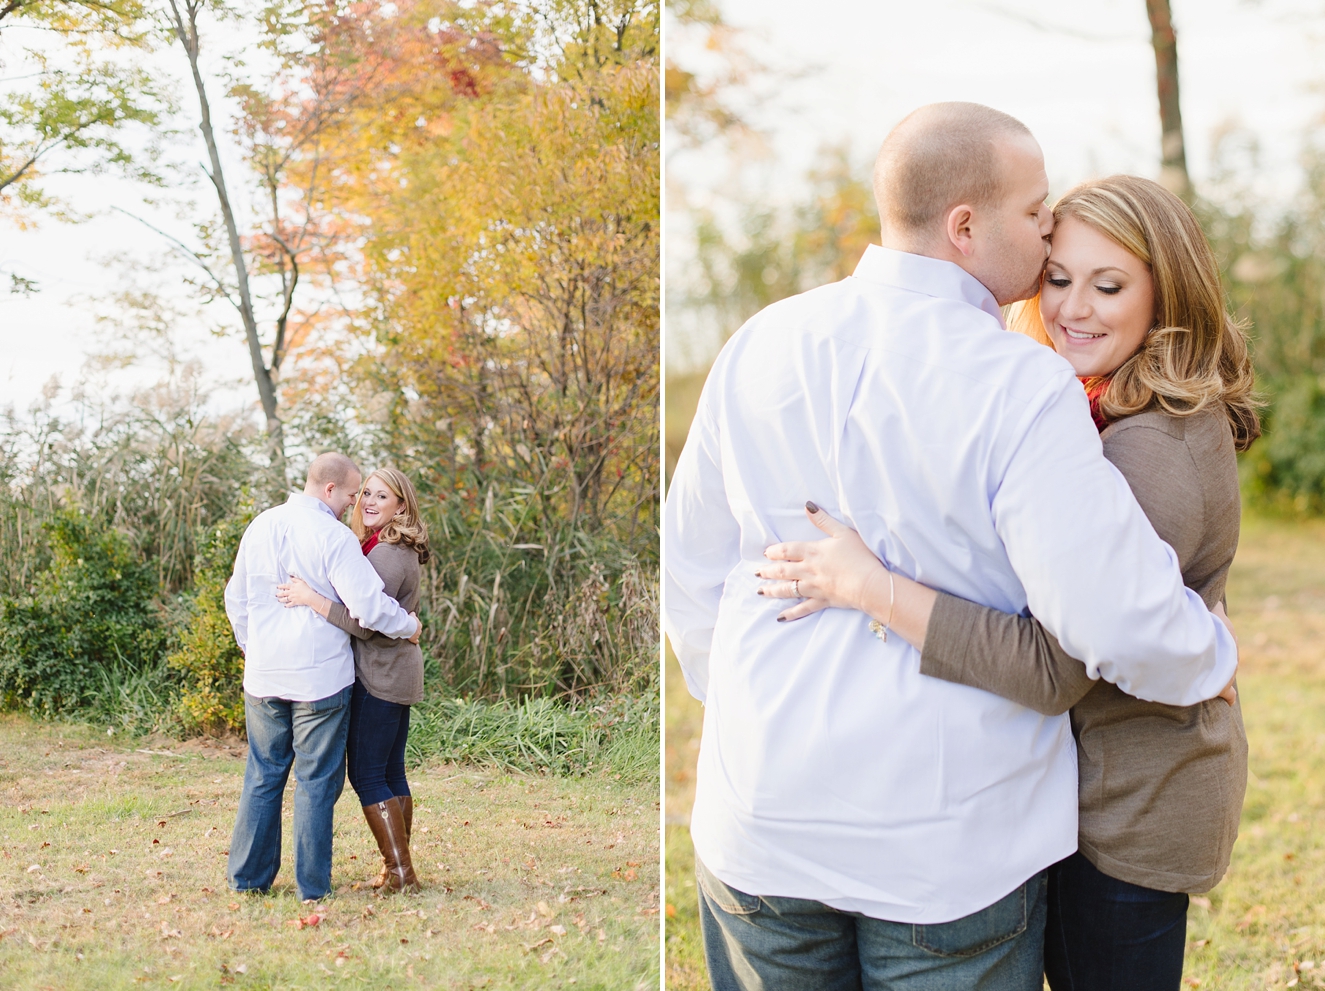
column 375, row 750
column 1108, row 935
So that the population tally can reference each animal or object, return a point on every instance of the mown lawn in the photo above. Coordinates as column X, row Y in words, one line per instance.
column 1264, row 926
column 112, row 875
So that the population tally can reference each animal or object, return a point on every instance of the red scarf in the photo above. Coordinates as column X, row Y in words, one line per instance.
column 1095, row 387
column 371, row 541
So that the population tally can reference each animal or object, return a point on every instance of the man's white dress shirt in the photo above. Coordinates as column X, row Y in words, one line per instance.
column 965, row 456
column 295, row 654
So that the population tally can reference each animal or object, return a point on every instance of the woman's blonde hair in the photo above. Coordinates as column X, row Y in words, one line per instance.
column 407, row 526
column 1196, row 355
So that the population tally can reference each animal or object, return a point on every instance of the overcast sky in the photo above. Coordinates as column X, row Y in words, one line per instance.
column 79, row 267
column 1079, row 73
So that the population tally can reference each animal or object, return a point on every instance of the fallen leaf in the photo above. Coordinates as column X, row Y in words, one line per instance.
column 1254, row 915
column 34, row 868
column 557, row 930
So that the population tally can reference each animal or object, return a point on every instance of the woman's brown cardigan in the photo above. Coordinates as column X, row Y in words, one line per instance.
column 1161, row 786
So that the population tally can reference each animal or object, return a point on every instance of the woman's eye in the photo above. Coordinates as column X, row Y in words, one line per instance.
column 1110, row 290
column 1059, row 283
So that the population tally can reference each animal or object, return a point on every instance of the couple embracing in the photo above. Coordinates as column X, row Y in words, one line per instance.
column 324, row 615
column 994, row 737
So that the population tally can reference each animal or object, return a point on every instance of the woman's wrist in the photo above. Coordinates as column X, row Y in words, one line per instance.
column 901, row 604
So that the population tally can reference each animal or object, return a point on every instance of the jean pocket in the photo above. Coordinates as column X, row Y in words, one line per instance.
column 724, row 896
column 975, row 933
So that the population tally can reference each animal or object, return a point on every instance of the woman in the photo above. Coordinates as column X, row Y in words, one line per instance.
column 388, row 674
column 1131, row 297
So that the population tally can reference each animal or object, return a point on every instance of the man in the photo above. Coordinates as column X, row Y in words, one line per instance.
column 855, row 823
column 299, row 673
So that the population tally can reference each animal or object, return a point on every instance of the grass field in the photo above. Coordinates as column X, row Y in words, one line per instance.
column 1264, row 926
column 112, row 875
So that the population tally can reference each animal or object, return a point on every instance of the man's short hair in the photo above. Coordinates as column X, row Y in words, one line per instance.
column 939, row 156
column 332, row 467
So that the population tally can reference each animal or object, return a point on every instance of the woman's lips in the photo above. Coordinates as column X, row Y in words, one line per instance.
column 1080, row 335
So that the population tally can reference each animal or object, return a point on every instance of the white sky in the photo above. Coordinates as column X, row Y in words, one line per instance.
column 1079, row 73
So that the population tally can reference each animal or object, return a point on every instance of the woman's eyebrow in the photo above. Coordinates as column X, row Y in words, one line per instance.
column 1107, row 268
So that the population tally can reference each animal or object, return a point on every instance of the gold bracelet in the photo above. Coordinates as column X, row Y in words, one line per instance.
column 880, row 630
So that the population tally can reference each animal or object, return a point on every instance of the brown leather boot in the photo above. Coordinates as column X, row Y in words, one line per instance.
column 407, row 812
column 387, row 822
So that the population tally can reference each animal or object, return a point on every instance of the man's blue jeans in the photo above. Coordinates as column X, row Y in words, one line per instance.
column 310, row 736
column 792, row 944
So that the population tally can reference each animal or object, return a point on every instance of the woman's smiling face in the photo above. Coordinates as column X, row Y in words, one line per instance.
column 1097, row 300
column 378, row 503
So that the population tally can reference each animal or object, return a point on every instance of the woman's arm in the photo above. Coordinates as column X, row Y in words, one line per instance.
column 298, row 593
column 960, row 641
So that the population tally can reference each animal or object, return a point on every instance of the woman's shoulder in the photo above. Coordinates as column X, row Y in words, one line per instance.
column 1204, row 434
column 398, row 557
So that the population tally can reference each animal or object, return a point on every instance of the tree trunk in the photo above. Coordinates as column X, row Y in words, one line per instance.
column 1173, row 160
column 188, row 38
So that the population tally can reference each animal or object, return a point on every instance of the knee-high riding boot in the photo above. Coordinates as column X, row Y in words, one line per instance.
column 387, row 821
column 407, row 812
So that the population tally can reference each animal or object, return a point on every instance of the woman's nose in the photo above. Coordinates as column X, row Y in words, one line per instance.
column 1076, row 306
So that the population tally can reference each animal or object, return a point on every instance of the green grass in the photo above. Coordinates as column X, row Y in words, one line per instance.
column 1264, row 925
column 541, row 735
column 112, row 875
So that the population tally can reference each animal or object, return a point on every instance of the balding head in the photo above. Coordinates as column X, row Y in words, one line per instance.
column 940, row 156
column 332, row 468
column 333, row 478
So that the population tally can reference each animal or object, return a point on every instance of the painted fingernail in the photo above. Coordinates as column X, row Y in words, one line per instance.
column 811, row 507
column 759, row 591
column 782, row 619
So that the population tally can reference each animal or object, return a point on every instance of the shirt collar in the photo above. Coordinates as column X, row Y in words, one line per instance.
column 930, row 276
column 308, row 502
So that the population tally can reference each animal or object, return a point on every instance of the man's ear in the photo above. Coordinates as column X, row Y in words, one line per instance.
column 958, row 230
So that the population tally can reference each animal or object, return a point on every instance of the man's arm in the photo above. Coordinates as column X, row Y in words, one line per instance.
column 1095, row 572
column 701, row 545
column 236, row 598
column 1015, row 656
column 360, row 587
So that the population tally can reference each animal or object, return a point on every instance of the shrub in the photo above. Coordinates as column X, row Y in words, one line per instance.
column 212, row 698
column 92, row 617
column 1286, row 467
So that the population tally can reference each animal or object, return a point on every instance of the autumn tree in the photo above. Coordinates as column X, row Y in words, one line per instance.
column 509, row 247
